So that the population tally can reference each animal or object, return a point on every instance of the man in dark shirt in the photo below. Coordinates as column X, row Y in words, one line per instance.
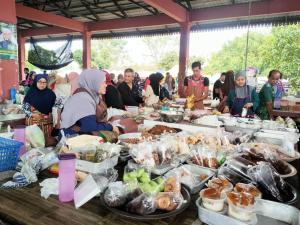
column 217, row 92
column 125, row 89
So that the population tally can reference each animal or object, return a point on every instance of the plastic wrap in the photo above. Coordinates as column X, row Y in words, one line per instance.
column 232, row 175
column 270, row 183
column 143, row 205
column 172, row 184
column 35, row 136
column 203, row 157
column 115, row 194
column 169, row 201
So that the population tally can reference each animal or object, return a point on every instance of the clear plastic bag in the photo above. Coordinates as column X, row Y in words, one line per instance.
column 116, row 194
column 143, row 205
column 203, row 157
column 35, row 136
column 270, row 183
column 169, row 201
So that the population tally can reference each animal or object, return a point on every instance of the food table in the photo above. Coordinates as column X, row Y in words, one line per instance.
column 291, row 114
column 26, row 206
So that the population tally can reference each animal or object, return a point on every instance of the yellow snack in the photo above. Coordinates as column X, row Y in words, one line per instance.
column 190, row 102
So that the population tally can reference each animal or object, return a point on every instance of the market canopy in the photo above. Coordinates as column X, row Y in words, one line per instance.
column 119, row 18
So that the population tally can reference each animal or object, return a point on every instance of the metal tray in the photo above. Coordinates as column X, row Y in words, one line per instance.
column 194, row 187
column 158, row 214
column 268, row 213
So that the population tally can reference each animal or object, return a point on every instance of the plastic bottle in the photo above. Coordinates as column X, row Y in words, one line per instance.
column 66, row 177
column 19, row 135
column 13, row 92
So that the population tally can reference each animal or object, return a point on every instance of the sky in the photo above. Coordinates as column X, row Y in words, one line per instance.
column 203, row 43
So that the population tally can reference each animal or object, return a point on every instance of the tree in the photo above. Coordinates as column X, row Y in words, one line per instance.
column 106, row 54
column 168, row 60
column 159, row 47
column 283, row 52
column 77, row 56
column 232, row 55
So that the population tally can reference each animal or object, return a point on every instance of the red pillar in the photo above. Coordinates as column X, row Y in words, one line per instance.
column 21, row 51
column 86, row 57
column 183, row 54
column 8, row 68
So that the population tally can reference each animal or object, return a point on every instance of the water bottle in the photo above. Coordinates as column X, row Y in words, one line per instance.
column 13, row 92
column 19, row 135
column 66, row 177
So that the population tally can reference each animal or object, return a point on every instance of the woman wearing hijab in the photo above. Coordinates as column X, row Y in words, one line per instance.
column 242, row 97
column 112, row 96
column 38, row 103
column 85, row 111
column 153, row 90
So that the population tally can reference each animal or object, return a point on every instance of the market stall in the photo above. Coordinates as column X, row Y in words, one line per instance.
column 197, row 166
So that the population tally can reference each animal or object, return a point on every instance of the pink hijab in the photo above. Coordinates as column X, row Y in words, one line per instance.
column 73, row 80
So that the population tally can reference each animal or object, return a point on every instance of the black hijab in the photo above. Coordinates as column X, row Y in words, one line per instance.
column 155, row 79
column 41, row 100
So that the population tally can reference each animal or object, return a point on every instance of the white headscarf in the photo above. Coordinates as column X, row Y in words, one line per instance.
column 82, row 104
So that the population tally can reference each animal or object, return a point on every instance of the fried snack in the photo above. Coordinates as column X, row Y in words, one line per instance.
column 172, row 185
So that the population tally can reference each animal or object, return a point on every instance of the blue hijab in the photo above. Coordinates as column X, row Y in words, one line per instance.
column 41, row 100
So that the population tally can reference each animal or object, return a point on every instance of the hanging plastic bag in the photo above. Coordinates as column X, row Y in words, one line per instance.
column 35, row 136
column 215, row 103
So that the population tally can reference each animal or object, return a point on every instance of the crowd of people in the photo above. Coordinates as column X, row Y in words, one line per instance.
column 81, row 101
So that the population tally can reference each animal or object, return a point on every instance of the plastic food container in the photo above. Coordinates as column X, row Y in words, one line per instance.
column 193, row 183
column 91, row 167
column 241, row 213
column 216, row 205
column 224, row 189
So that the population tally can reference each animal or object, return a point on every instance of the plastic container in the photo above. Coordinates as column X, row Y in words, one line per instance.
column 240, row 213
column 291, row 103
column 19, row 135
column 13, row 93
column 66, row 177
column 9, row 152
column 216, row 205
column 94, row 168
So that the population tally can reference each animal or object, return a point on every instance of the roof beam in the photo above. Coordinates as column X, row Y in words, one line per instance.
column 170, row 8
column 44, row 31
column 120, row 8
column 261, row 8
column 237, row 11
column 48, row 18
column 140, row 21
column 154, row 11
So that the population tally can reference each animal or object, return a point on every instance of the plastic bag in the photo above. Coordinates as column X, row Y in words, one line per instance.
column 270, row 183
column 215, row 103
column 115, row 194
column 35, row 136
column 204, row 157
column 49, row 187
column 169, row 201
column 143, row 205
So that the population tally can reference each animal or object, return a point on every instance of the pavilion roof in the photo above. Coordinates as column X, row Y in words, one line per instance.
column 106, row 10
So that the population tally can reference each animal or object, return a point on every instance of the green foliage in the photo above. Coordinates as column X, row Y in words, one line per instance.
column 232, row 55
column 105, row 54
column 282, row 52
column 278, row 50
column 168, row 60
column 77, row 56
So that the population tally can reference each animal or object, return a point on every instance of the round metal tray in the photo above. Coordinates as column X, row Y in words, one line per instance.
column 158, row 214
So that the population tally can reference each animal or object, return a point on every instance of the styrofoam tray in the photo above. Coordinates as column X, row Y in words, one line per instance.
column 91, row 167
column 197, row 185
column 268, row 213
